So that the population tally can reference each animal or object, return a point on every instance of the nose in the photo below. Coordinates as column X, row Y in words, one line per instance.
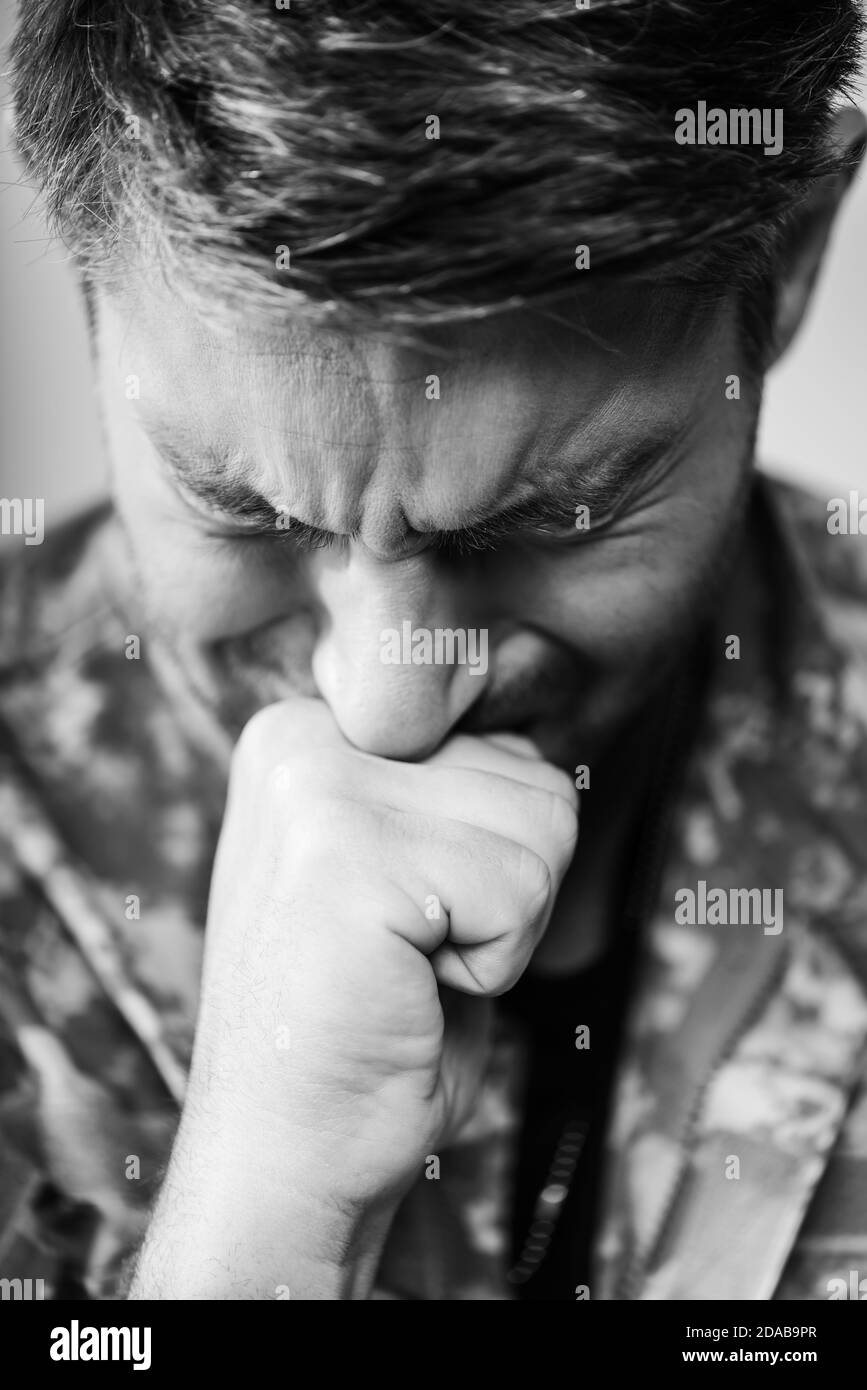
column 394, row 658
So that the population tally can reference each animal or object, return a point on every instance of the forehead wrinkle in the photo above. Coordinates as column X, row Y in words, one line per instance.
column 290, row 447
column 383, row 517
column 204, row 468
column 364, row 378
column 438, row 506
column 520, row 458
column 558, row 481
column 304, row 361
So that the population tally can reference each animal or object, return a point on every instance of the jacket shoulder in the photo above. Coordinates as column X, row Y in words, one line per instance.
column 835, row 560
column 53, row 599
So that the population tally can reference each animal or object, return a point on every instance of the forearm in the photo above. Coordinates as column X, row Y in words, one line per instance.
column 231, row 1223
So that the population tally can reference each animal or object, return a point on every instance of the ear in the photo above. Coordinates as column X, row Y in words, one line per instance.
column 806, row 237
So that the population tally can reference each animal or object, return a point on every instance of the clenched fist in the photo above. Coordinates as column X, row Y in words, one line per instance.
column 362, row 911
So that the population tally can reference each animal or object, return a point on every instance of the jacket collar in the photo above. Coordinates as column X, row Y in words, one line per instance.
column 744, row 1042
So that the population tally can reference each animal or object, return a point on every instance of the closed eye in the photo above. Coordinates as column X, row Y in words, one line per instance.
column 256, row 519
column 568, row 515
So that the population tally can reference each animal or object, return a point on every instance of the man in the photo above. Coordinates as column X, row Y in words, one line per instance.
column 430, row 346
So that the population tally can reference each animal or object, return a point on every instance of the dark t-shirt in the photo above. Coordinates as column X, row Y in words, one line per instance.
column 570, row 1073
column 572, row 1026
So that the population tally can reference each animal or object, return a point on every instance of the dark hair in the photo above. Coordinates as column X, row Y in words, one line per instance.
column 204, row 134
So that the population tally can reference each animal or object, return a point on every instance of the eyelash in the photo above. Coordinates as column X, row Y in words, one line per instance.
column 305, row 538
column 474, row 540
column 459, row 544
column 302, row 536
column 477, row 539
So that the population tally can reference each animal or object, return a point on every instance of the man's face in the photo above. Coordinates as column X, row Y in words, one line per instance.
column 385, row 449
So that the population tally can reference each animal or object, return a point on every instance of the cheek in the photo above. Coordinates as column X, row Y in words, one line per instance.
column 204, row 588
column 637, row 589
column 211, row 590
column 624, row 596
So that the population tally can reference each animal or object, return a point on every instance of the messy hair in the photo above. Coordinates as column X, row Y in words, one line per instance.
column 201, row 137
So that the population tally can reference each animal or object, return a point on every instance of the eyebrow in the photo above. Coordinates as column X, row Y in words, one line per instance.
column 218, row 483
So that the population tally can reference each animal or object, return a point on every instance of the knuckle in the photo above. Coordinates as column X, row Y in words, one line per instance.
column 513, row 965
column 258, row 739
column 563, row 785
column 534, row 885
column 285, row 782
column 507, row 978
column 486, row 971
column 563, row 825
column 309, row 776
column 317, row 832
column 281, row 727
column 499, row 966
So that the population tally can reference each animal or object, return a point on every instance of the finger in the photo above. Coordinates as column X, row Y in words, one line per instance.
column 544, row 821
column 519, row 744
column 507, row 754
column 475, row 888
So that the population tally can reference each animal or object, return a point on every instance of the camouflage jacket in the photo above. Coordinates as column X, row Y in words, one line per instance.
column 736, row 1165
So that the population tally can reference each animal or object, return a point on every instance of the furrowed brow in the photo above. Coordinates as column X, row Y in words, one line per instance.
column 599, row 487
column 212, row 479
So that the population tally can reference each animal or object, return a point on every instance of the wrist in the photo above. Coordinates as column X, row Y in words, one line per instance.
column 243, row 1217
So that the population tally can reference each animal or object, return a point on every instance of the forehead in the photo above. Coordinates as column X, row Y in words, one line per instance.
column 318, row 416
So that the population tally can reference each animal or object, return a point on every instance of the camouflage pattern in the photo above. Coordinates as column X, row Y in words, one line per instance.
column 737, row 1148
